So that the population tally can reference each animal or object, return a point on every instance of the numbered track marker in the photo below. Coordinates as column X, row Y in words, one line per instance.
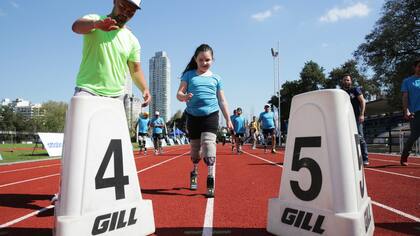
column 322, row 189
column 99, row 189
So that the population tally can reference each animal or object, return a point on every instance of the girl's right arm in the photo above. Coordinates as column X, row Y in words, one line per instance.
column 181, row 96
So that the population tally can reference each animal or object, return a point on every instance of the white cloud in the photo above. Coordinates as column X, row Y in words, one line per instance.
column 335, row 14
column 14, row 4
column 264, row 15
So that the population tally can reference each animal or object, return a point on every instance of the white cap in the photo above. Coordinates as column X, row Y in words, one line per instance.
column 136, row 2
column 156, row 113
column 267, row 105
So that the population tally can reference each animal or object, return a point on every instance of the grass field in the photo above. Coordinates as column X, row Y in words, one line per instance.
column 23, row 152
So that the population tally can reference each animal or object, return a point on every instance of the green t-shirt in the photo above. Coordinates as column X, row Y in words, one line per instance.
column 105, row 55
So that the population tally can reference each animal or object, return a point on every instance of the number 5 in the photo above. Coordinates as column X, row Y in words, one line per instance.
column 308, row 163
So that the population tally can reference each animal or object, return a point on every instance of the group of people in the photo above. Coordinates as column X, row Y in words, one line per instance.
column 410, row 89
column 110, row 51
column 143, row 127
column 266, row 123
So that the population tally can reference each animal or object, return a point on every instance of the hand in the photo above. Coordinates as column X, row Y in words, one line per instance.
column 187, row 97
column 408, row 115
column 146, row 98
column 361, row 118
column 107, row 24
column 229, row 125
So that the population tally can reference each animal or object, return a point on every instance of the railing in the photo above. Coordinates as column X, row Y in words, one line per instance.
column 392, row 143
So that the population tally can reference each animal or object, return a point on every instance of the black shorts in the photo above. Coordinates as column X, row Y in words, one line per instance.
column 142, row 134
column 239, row 135
column 157, row 136
column 267, row 132
column 199, row 124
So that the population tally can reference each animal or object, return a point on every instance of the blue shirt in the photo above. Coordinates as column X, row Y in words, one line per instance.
column 354, row 93
column 239, row 124
column 143, row 124
column 157, row 124
column 411, row 85
column 204, row 90
column 267, row 120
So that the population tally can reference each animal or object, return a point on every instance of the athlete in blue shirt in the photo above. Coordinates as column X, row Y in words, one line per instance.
column 158, row 124
column 142, row 127
column 410, row 89
column 202, row 91
column 268, row 126
column 232, row 131
column 239, row 127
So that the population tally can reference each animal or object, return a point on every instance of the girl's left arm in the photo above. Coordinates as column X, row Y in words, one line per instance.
column 224, row 107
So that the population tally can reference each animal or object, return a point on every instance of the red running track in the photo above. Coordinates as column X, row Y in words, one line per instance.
column 244, row 183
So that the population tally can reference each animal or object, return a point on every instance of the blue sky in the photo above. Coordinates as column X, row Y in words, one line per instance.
column 40, row 55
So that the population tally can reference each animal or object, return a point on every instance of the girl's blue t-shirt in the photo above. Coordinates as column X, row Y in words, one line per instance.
column 143, row 124
column 204, row 89
column 267, row 120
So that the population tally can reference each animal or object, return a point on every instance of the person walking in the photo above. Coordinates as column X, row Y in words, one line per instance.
column 202, row 91
column 359, row 104
column 410, row 89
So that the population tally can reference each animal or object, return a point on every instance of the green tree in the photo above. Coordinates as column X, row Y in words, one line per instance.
column 180, row 119
column 312, row 76
column 54, row 116
column 392, row 46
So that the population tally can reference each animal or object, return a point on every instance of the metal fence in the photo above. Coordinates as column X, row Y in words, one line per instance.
column 391, row 142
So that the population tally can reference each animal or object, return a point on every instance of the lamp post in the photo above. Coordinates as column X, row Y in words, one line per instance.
column 276, row 74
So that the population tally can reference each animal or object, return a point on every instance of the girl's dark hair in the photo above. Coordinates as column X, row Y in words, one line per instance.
column 192, row 65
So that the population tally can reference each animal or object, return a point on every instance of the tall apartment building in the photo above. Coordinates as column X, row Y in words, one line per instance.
column 160, row 84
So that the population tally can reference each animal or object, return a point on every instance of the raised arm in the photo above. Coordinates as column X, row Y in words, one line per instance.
column 85, row 26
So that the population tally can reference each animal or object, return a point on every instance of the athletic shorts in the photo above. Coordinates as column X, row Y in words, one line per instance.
column 199, row 124
column 158, row 136
column 142, row 134
column 268, row 132
column 239, row 135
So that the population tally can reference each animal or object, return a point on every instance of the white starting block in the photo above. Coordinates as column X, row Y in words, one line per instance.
column 323, row 189
column 100, row 191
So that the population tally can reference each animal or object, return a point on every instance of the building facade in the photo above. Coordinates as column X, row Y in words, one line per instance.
column 23, row 107
column 160, row 85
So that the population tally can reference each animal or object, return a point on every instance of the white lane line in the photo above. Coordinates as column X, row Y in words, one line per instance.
column 29, row 168
column 393, row 173
column 47, row 176
column 411, row 217
column 28, row 180
column 12, row 222
column 160, row 163
column 208, row 216
column 396, row 211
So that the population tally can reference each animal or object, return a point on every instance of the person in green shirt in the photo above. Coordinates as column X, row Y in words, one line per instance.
column 110, row 51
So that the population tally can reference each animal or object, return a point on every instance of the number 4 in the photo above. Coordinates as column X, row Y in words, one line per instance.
column 119, row 179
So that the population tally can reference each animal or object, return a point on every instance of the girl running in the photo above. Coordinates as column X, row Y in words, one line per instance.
column 202, row 90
